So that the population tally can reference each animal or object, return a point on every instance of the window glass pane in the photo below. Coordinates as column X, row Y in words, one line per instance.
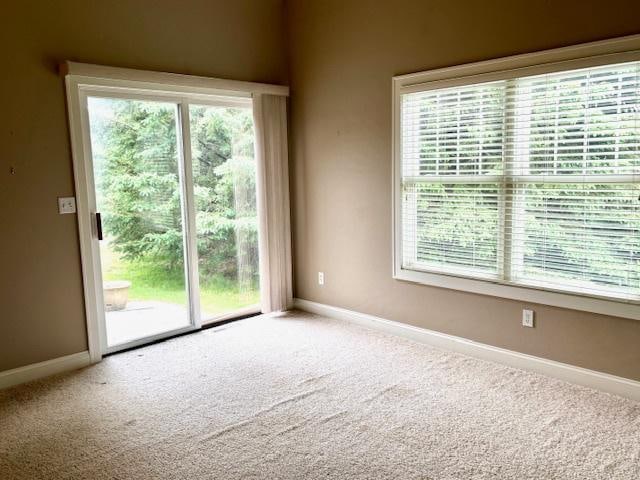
column 224, row 177
column 455, row 131
column 581, row 236
column 579, row 122
column 136, row 167
column 456, row 225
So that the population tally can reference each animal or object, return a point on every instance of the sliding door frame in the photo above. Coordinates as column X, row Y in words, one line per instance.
column 83, row 81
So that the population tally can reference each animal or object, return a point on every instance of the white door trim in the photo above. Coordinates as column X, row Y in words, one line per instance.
column 569, row 373
column 82, row 80
column 85, row 189
column 167, row 82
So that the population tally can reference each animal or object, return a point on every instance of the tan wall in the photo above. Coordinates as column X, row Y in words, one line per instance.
column 344, row 53
column 41, row 306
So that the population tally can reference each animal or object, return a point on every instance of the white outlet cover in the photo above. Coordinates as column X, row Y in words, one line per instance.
column 320, row 278
column 66, row 205
column 527, row 318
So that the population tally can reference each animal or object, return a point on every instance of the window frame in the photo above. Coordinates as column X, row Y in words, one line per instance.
column 618, row 50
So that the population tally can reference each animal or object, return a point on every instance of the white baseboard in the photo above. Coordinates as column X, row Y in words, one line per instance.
column 581, row 376
column 35, row 371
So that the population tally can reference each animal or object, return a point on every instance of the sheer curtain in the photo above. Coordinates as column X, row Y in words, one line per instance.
column 270, row 117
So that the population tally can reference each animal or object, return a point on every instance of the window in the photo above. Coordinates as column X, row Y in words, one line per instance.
column 527, row 177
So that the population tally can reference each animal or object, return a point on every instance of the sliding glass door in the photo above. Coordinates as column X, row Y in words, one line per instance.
column 224, row 180
column 175, row 213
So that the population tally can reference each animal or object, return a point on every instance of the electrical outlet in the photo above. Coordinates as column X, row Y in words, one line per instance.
column 320, row 278
column 527, row 318
column 66, row 205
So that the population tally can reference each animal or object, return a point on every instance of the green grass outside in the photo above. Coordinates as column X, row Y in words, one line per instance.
column 152, row 282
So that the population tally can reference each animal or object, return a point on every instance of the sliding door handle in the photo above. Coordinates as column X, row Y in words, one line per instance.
column 99, row 225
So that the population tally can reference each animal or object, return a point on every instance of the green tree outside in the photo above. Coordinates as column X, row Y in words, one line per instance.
column 138, row 185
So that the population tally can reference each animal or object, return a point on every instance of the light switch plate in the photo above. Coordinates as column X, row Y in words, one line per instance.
column 66, row 205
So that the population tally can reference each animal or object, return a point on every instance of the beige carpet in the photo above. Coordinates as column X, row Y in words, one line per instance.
column 304, row 397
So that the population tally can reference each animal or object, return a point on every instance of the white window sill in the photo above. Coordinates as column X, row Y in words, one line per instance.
column 616, row 308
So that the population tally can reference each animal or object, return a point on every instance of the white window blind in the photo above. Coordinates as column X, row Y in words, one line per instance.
column 530, row 181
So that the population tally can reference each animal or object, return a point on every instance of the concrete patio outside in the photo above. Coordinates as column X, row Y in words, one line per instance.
column 142, row 319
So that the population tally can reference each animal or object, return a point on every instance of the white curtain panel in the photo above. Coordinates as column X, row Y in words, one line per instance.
column 276, row 286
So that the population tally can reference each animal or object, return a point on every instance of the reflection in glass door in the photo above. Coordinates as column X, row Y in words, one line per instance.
column 140, row 199
column 224, row 180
